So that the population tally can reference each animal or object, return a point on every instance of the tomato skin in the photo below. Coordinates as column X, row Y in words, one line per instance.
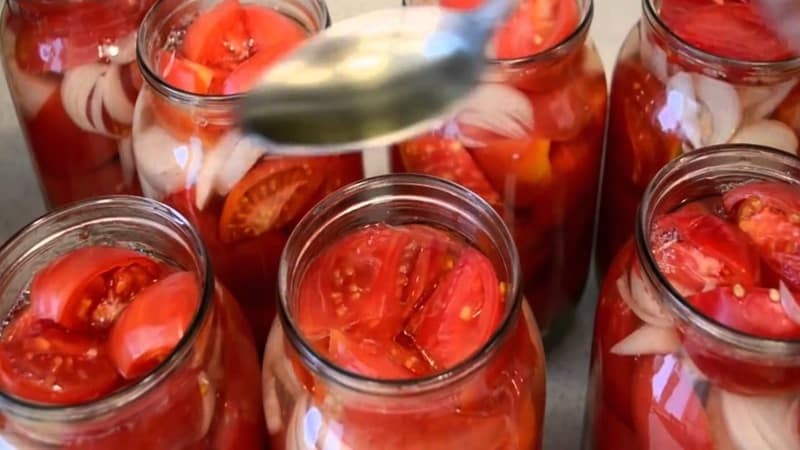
column 536, row 26
column 525, row 161
column 152, row 325
column 218, row 37
column 754, row 313
column 60, row 291
column 668, row 413
column 48, row 364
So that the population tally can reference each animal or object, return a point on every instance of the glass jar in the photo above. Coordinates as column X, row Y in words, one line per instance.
column 205, row 393
column 72, row 75
column 492, row 400
column 669, row 374
column 669, row 97
column 529, row 140
column 190, row 155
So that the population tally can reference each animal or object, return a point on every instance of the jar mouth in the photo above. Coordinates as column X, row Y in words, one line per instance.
column 702, row 57
column 727, row 162
column 165, row 14
column 374, row 192
column 107, row 209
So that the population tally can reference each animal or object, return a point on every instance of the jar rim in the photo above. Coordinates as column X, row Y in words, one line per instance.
column 361, row 189
column 701, row 57
column 115, row 205
column 749, row 157
column 153, row 22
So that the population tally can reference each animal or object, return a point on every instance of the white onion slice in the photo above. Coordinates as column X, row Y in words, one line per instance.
column 722, row 107
column 126, row 160
column 771, row 133
column 762, row 423
column 123, row 51
column 639, row 296
column 682, row 102
column 96, row 107
column 759, row 102
column 788, row 302
column 116, row 102
column 497, row 108
column 648, row 340
column 654, row 57
column 31, row 92
column 272, row 406
column 76, row 88
column 213, row 161
column 245, row 154
column 209, row 399
column 163, row 163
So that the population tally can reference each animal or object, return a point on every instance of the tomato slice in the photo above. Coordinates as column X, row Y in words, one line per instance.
column 755, row 311
column 52, row 365
column 730, row 29
column 245, row 75
column 516, row 167
column 536, row 26
column 218, row 37
column 461, row 314
column 90, row 286
column 447, row 158
column 153, row 324
column 668, row 412
column 698, row 251
column 184, row 74
column 276, row 192
column 769, row 213
column 375, row 359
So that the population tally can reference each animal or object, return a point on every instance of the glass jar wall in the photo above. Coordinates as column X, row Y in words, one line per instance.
column 72, row 75
column 197, row 58
column 681, row 84
column 697, row 333
column 529, row 141
column 419, row 349
column 78, row 374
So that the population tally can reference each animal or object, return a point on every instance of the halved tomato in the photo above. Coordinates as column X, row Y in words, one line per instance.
column 218, row 37
column 56, row 366
column 375, row 359
column 461, row 314
column 517, row 168
column 769, row 213
column 274, row 193
column 447, row 158
column 90, row 286
column 668, row 413
column 697, row 251
column 153, row 324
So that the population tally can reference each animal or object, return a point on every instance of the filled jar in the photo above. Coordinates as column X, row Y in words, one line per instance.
column 71, row 71
column 691, row 74
column 401, row 326
column 529, row 141
column 697, row 333
column 197, row 58
column 115, row 335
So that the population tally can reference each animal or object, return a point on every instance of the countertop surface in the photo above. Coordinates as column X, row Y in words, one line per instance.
column 20, row 203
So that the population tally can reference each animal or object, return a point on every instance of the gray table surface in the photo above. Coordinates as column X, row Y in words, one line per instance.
column 20, row 202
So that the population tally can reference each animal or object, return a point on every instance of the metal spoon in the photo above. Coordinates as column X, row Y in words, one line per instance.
column 371, row 80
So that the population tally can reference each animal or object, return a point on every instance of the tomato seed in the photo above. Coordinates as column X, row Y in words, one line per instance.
column 774, row 295
column 466, row 313
column 738, row 291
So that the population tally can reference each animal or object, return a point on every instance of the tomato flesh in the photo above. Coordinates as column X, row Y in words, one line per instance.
column 755, row 311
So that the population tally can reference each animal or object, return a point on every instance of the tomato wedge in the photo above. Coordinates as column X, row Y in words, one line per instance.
column 218, row 37
column 184, row 74
column 769, row 213
column 375, row 359
column 88, row 287
column 245, row 75
column 153, row 324
column 536, row 26
column 447, row 158
column 274, row 193
column 516, row 167
column 668, row 413
column 461, row 314
column 698, row 251
column 52, row 365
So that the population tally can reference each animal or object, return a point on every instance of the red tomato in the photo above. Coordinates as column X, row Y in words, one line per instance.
column 611, row 433
column 461, row 314
column 536, row 25
column 698, row 251
column 61, row 148
column 375, row 359
column 517, row 168
column 245, row 75
column 757, row 311
column 668, row 413
column 184, row 74
column 447, row 158
column 769, row 213
column 153, row 324
column 51, row 365
column 274, row 193
column 728, row 29
column 218, row 37
column 90, row 286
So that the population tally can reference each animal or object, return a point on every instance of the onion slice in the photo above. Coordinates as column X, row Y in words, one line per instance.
column 682, row 102
column 722, row 113
column 771, row 133
column 245, row 153
column 115, row 101
column 654, row 57
column 209, row 400
column 648, row 340
column 759, row 102
column 497, row 108
column 126, row 159
column 763, row 423
column 164, row 164
column 638, row 295
column 213, row 161
column 76, row 88
column 272, row 406
column 788, row 302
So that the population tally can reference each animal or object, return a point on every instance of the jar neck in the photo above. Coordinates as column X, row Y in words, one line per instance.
column 123, row 221
column 398, row 200
column 709, row 64
column 158, row 26
column 696, row 176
